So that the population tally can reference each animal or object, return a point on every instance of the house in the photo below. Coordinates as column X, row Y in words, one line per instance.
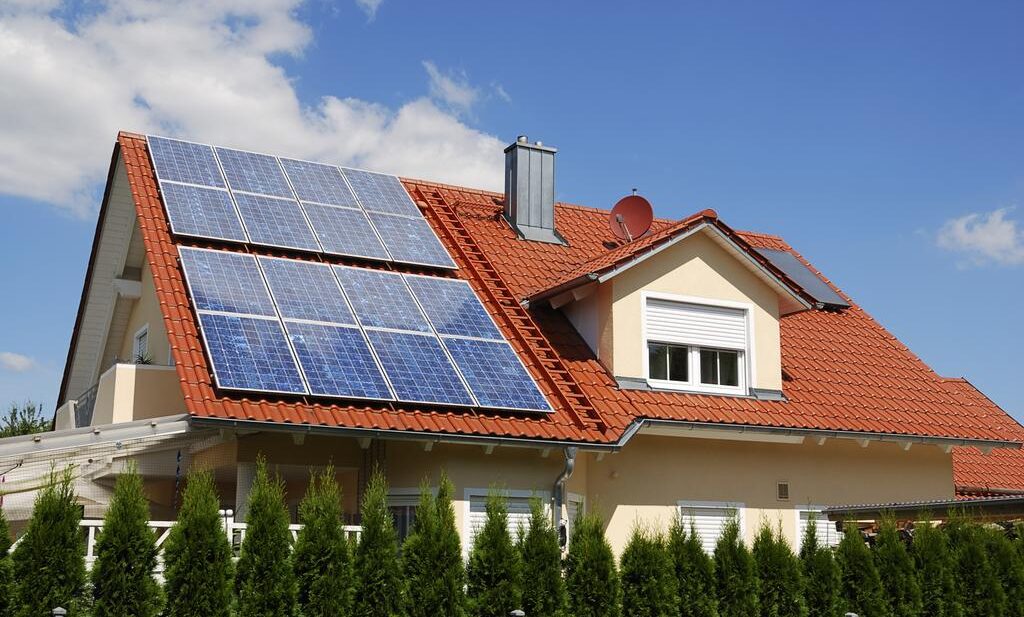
column 693, row 369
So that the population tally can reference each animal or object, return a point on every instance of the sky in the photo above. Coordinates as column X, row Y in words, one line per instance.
column 884, row 141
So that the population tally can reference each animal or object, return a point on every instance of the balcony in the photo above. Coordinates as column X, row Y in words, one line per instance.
column 123, row 393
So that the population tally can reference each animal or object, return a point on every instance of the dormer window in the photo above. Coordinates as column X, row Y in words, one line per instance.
column 696, row 346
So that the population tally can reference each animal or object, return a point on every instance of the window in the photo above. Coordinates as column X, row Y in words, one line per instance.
column 403, row 511
column 518, row 503
column 709, row 519
column 824, row 529
column 140, row 346
column 719, row 367
column 668, row 362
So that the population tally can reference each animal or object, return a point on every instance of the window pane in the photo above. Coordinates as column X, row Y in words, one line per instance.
column 709, row 366
column 657, row 361
column 729, row 368
column 678, row 364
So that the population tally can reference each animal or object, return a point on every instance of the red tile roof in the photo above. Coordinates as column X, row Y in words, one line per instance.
column 980, row 474
column 842, row 370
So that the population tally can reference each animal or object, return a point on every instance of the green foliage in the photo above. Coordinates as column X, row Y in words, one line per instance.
column 861, row 588
column 934, row 563
column 6, row 570
column 24, row 419
column 322, row 560
column 649, row 586
column 379, row 590
column 1009, row 568
column 266, row 581
column 197, row 556
column 780, row 591
column 591, row 579
column 122, row 576
column 978, row 587
column 694, row 570
column 494, row 569
column 544, row 596
column 49, row 562
column 900, row 585
column 449, row 569
column 821, row 575
column 419, row 558
column 735, row 574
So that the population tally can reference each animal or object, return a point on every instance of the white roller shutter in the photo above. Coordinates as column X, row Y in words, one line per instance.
column 518, row 514
column 695, row 324
column 709, row 521
column 824, row 529
column 574, row 507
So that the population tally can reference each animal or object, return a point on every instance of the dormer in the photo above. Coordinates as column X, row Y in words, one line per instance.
column 689, row 308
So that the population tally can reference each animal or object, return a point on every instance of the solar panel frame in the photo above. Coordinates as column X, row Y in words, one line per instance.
column 183, row 217
column 457, row 346
column 313, row 377
column 206, row 329
column 212, row 176
column 804, row 277
column 253, row 172
column 330, row 226
column 433, row 307
column 255, row 285
column 264, row 216
column 404, row 381
column 410, row 250
column 280, row 272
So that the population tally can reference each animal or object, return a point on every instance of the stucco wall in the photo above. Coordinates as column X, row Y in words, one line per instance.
column 147, row 312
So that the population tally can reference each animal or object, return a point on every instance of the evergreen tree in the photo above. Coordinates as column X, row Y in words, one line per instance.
column 861, row 588
column 449, row 569
column 122, row 577
column 780, row 589
column 735, row 575
column 544, row 596
column 322, row 560
column 379, row 590
column 197, row 555
column 1008, row 567
column 821, row 575
column 418, row 557
column 649, row 586
column 695, row 572
column 978, row 587
column 493, row 573
column 49, row 561
column 900, row 585
column 6, row 570
column 591, row 579
column 935, row 564
column 266, row 582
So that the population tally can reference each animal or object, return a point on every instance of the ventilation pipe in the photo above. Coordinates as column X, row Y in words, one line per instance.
column 560, row 523
column 530, row 190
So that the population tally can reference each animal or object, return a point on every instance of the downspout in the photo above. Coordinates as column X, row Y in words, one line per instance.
column 559, row 492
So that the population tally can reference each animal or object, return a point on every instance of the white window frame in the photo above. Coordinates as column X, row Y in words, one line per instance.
column 136, row 352
column 799, row 532
column 745, row 370
column 467, row 510
column 738, row 506
column 405, row 497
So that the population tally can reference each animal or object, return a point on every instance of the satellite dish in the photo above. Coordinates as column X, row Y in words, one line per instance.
column 631, row 217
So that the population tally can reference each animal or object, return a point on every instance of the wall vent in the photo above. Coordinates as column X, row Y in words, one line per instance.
column 782, row 491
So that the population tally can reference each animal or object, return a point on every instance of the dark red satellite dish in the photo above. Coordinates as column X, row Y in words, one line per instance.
column 631, row 217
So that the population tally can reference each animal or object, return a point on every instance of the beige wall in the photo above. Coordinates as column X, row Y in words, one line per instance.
column 129, row 392
column 147, row 312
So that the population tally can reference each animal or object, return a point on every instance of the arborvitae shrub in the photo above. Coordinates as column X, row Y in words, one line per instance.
column 861, row 589
column 266, row 581
column 380, row 590
column 900, row 585
column 49, row 562
column 649, row 587
column 1009, row 568
column 322, row 560
column 934, row 563
column 543, row 586
column 591, row 579
column 493, row 573
column 6, row 570
column 449, row 569
column 735, row 576
column 197, row 555
column 780, row 588
column 418, row 557
column 695, row 572
column 821, row 575
column 978, row 587
column 122, row 577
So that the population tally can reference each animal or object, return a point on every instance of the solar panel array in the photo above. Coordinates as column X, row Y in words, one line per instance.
column 238, row 196
column 281, row 325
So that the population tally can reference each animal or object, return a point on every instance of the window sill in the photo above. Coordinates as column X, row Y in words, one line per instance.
column 634, row 383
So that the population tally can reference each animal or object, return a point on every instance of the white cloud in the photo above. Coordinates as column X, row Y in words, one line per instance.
column 988, row 237
column 15, row 362
column 201, row 69
column 452, row 88
column 370, row 7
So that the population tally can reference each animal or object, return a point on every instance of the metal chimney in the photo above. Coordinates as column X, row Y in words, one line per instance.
column 530, row 190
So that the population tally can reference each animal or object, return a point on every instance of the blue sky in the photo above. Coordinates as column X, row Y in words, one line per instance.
column 885, row 141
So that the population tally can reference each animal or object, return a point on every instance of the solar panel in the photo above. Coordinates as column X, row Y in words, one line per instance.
column 495, row 374
column 306, row 290
column 345, row 231
column 411, row 240
column 253, row 173
column 337, row 361
column 182, row 161
column 319, row 183
column 227, row 282
column 381, row 193
column 452, row 307
column 250, row 353
column 200, row 211
column 276, row 222
column 381, row 299
column 804, row 277
column 418, row 368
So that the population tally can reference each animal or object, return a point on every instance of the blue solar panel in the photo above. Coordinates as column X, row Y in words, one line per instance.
column 306, row 290
column 181, row 161
column 319, row 183
column 381, row 299
column 253, row 173
column 277, row 222
column 337, row 361
column 228, row 282
column 418, row 369
column 452, row 307
column 200, row 211
column 495, row 375
column 411, row 240
column 345, row 231
column 381, row 193
column 249, row 353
